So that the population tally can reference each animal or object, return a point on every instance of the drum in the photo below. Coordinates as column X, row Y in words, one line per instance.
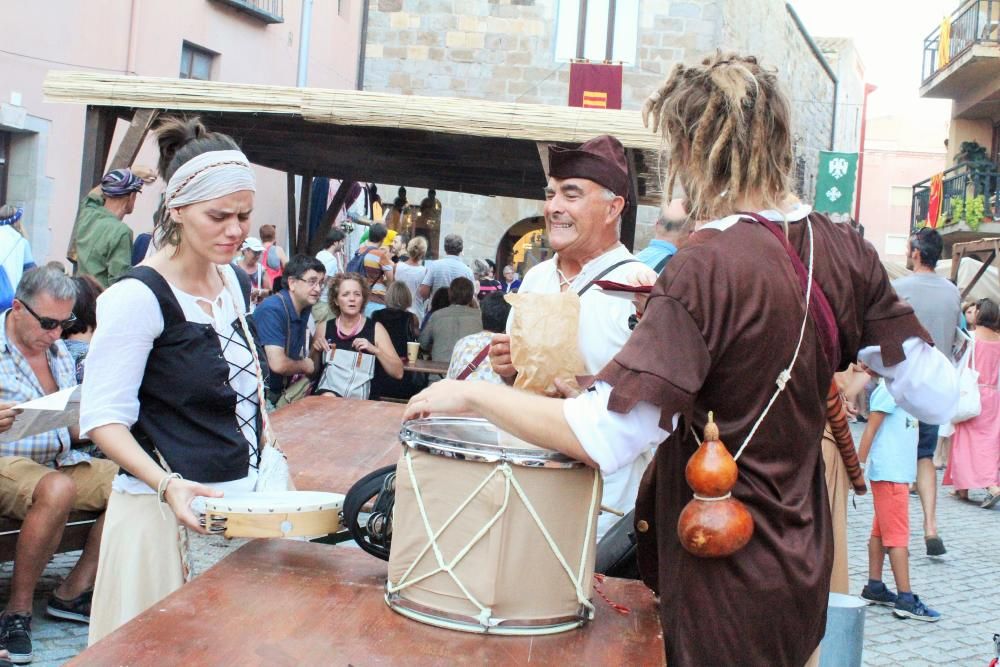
column 287, row 514
column 491, row 534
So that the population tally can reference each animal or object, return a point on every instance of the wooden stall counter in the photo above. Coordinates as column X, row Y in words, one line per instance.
column 280, row 602
column 333, row 442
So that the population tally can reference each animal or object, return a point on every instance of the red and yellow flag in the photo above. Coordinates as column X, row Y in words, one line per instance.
column 595, row 86
column 934, row 201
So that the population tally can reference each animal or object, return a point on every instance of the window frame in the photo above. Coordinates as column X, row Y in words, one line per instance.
column 577, row 35
column 195, row 51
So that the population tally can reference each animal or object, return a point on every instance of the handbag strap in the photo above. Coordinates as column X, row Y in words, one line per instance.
column 474, row 364
column 269, row 438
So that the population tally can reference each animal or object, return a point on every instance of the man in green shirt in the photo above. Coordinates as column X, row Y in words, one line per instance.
column 103, row 241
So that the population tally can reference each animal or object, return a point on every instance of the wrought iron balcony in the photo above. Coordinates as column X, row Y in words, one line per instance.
column 970, row 201
column 974, row 22
column 268, row 11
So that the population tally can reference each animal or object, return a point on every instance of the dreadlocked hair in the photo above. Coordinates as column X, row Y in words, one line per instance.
column 726, row 134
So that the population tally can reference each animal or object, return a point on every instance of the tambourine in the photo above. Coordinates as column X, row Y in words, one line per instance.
column 285, row 514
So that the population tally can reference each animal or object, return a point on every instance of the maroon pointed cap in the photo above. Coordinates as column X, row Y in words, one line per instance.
column 601, row 160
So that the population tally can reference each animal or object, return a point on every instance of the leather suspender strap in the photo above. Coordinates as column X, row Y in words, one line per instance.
column 474, row 364
column 606, row 272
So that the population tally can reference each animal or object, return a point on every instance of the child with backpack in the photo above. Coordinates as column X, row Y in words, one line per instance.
column 889, row 452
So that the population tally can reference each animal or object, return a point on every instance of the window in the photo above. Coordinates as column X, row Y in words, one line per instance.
column 196, row 62
column 895, row 244
column 900, row 195
column 609, row 30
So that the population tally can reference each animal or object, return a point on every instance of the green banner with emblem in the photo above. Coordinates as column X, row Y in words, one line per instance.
column 835, row 182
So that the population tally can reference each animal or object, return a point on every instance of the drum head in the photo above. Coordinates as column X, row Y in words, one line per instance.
column 472, row 439
column 265, row 503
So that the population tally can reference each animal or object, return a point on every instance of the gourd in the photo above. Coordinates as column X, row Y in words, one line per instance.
column 713, row 524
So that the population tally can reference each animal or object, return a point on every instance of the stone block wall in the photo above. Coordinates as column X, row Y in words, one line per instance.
column 504, row 50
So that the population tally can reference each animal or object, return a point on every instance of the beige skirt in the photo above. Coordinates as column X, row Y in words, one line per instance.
column 140, row 561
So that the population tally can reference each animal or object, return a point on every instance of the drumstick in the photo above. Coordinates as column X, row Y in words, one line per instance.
column 612, row 510
column 836, row 414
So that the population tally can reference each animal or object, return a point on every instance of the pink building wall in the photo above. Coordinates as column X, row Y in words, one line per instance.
column 898, row 153
column 144, row 37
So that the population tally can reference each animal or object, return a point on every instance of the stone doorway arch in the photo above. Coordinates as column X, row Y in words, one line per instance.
column 524, row 244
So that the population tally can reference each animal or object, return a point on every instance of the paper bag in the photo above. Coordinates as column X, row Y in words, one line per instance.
column 544, row 340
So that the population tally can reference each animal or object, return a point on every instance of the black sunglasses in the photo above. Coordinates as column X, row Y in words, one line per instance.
column 49, row 323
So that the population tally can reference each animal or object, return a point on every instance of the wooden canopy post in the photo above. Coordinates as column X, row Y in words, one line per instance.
column 98, row 130
column 291, row 209
column 627, row 233
column 305, row 205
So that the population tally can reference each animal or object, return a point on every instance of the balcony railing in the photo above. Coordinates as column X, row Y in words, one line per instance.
column 970, row 195
column 974, row 22
column 268, row 11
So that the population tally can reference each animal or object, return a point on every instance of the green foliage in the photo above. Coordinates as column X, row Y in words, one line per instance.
column 957, row 211
column 971, row 151
column 975, row 207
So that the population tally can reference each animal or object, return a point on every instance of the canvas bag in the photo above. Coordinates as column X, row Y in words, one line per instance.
column 348, row 374
column 969, row 403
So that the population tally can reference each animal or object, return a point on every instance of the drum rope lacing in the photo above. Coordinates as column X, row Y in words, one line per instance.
column 485, row 614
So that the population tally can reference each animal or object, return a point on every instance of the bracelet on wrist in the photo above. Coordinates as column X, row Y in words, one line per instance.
column 161, row 489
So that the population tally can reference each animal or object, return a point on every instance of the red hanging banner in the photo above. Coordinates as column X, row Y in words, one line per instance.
column 595, row 85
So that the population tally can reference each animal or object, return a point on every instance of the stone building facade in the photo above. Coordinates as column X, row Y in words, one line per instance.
column 513, row 51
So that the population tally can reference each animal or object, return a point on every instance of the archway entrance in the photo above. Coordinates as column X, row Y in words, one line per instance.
column 524, row 245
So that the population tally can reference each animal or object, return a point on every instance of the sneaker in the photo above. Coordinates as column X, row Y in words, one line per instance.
column 915, row 609
column 935, row 546
column 77, row 609
column 884, row 597
column 15, row 636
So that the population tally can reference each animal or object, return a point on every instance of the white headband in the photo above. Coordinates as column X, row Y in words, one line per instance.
column 209, row 176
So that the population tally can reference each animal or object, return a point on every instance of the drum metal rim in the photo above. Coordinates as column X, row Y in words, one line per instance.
column 478, row 452
column 464, row 623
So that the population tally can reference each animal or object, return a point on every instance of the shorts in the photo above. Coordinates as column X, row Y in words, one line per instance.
column 927, row 440
column 19, row 476
column 892, row 513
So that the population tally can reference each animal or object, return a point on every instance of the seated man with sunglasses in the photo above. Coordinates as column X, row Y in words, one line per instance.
column 42, row 478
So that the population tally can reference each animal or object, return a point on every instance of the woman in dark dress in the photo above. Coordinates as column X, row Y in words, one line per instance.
column 402, row 327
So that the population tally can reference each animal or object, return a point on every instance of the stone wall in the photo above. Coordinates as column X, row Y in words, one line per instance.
column 504, row 50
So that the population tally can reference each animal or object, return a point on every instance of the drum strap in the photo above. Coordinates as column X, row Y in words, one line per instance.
column 474, row 364
column 510, row 482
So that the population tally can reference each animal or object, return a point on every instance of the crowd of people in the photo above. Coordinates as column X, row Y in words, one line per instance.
column 182, row 357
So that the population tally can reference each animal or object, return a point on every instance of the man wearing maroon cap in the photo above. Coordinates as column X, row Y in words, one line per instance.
column 586, row 194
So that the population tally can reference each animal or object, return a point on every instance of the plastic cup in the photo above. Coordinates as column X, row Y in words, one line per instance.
column 412, row 350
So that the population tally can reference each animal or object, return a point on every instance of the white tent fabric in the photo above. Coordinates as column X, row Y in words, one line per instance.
column 987, row 287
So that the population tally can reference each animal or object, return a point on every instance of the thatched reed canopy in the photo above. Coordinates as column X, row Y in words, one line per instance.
column 461, row 145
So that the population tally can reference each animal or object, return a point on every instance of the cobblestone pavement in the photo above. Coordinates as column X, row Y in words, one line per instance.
column 964, row 585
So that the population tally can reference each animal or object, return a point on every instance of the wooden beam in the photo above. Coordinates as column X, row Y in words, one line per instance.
column 305, row 204
column 290, row 182
column 98, row 130
column 627, row 234
column 979, row 274
column 337, row 203
column 134, row 136
column 543, row 155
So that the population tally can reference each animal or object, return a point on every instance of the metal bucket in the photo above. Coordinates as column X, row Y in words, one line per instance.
column 845, row 632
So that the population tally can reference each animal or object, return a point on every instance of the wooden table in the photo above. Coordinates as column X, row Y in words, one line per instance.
column 333, row 442
column 277, row 602
column 426, row 366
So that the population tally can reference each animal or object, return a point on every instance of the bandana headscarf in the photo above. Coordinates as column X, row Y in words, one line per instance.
column 12, row 219
column 209, row 176
column 120, row 182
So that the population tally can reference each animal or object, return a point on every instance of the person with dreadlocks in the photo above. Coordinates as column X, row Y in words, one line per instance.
column 734, row 325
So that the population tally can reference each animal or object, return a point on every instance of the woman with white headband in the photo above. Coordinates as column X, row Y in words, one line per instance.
column 171, row 390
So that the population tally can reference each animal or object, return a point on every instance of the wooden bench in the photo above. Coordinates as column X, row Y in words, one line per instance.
column 74, row 536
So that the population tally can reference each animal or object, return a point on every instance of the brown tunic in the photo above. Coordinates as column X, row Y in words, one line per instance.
column 721, row 324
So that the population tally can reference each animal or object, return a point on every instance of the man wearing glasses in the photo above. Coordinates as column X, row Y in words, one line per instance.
column 42, row 478
column 282, row 322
